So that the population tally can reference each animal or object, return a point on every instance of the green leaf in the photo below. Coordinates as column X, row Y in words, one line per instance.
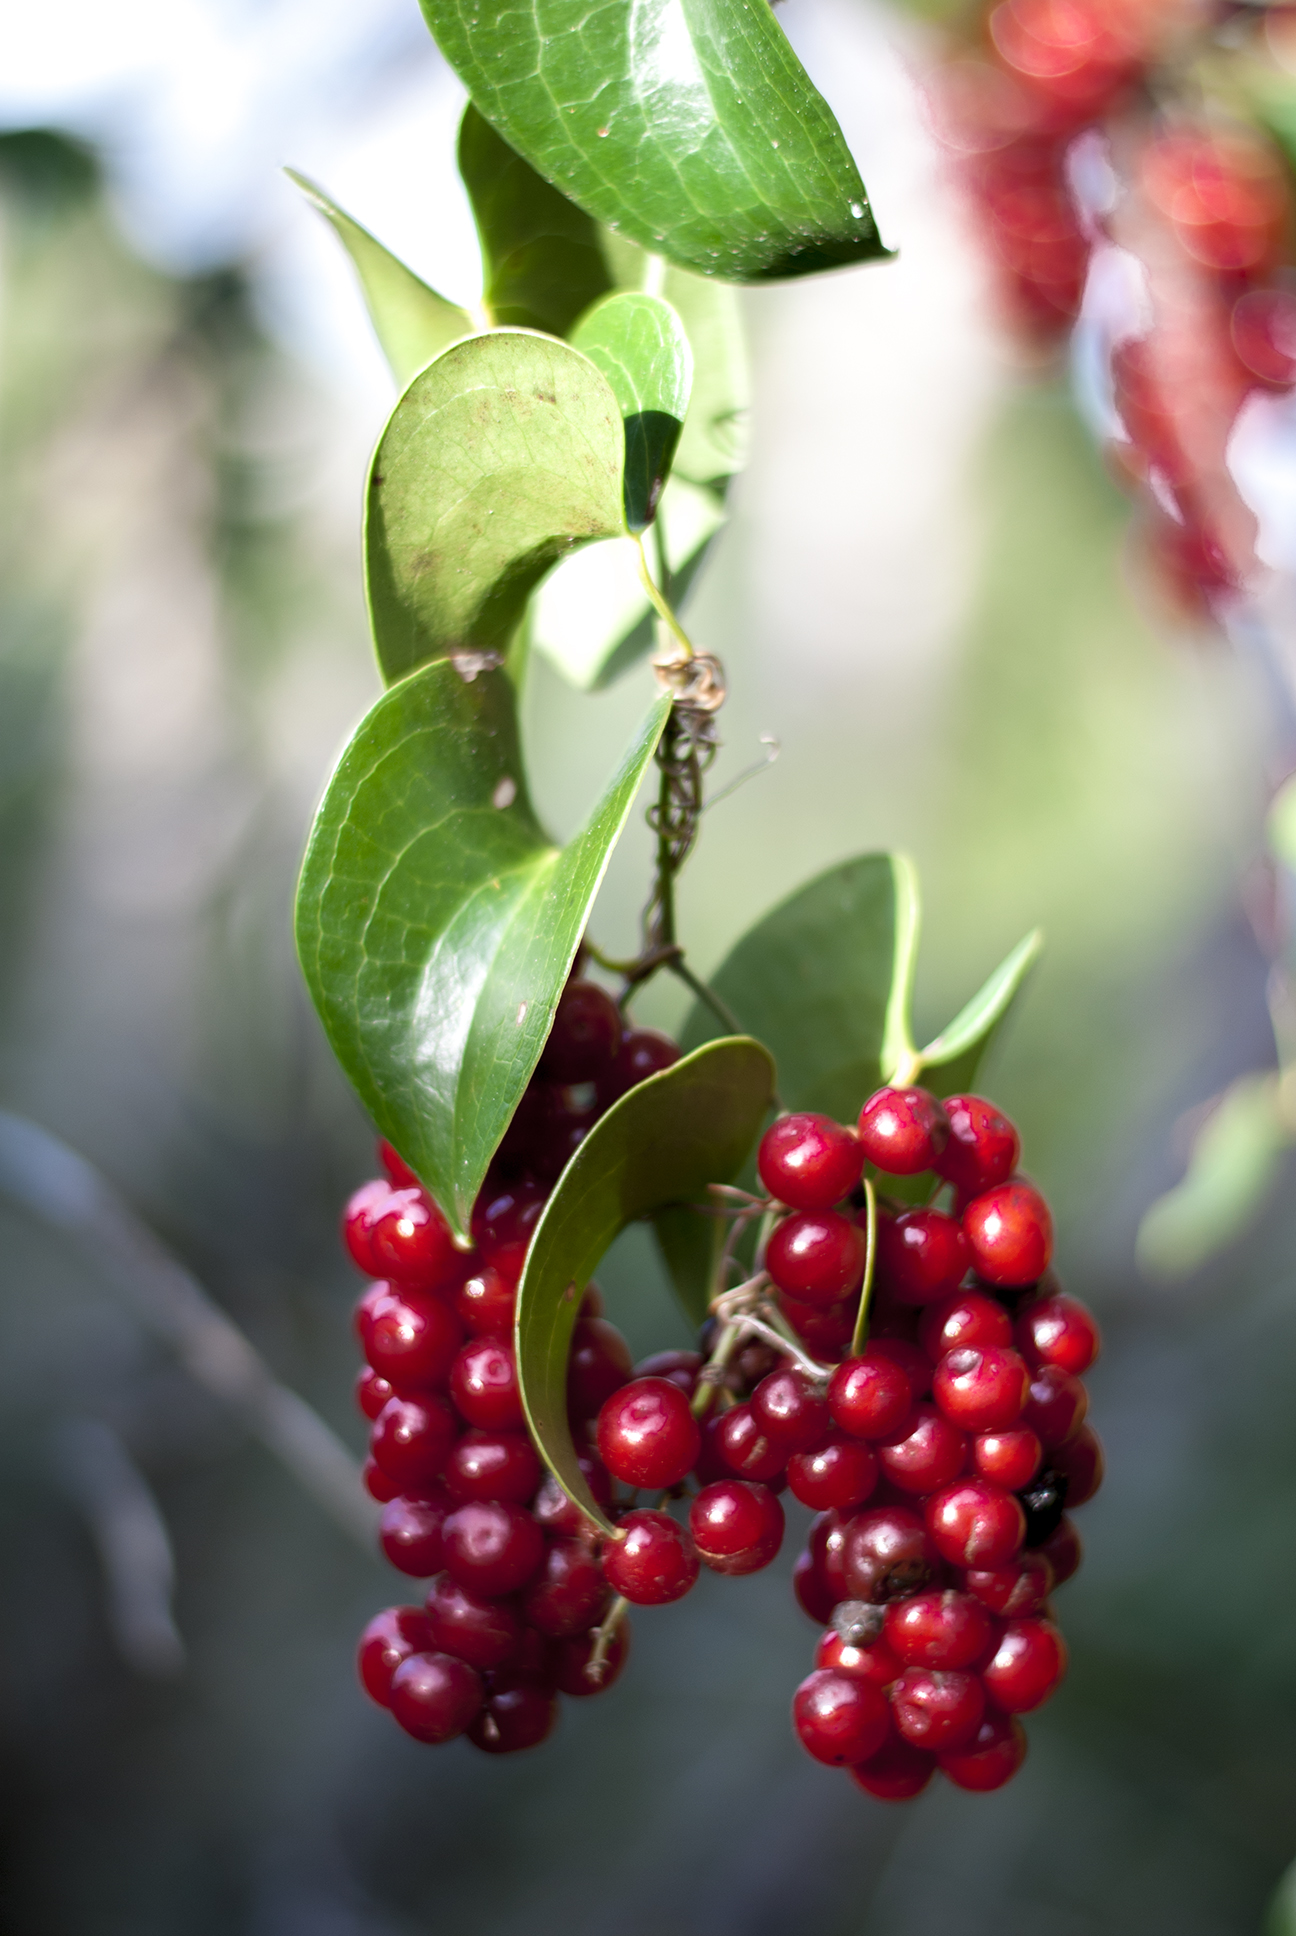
column 688, row 125
column 949, row 1064
column 639, row 344
column 501, row 456
column 436, row 923
column 661, row 1145
column 541, row 257
column 814, row 981
column 1235, row 1162
column 411, row 321
column 1280, row 1917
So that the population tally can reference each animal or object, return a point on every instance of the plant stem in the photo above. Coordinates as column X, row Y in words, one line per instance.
column 661, row 604
column 870, row 1260
column 724, row 1015
column 604, row 1635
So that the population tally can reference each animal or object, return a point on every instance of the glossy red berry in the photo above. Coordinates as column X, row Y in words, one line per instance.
column 737, row 1527
column 552, row 1509
column 643, row 1053
column 827, row 1542
column 965, row 1318
column 809, row 1162
column 680, row 1367
column 870, row 1396
column 654, row 1562
column 1009, row 1459
column 922, row 1255
column 1028, row 1663
column 435, row 1696
column 973, row 1523
column 399, row 1173
column 812, row 1596
column 746, row 1450
column 504, row 1217
column 411, row 1242
column 824, row 1329
column 410, row 1532
column 865, row 1660
column 585, row 1036
column 492, row 1465
column 886, row 1553
column 647, row 1435
column 357, row 1223
column 927, row 1451
column 374, row 1301
column 1055, row 1409
column 371, row 1392
column 937, row 1708
column 569, row 1593
column 896, row 1773
column 411, row 1437
column 990, row 1758
column 518, row 1713
column 1013, row 1591
column 486, row 1303
column 817, row 1256
column 599, row 1365
column 790, row 1410
column 376, row 1482
column 391, row 1637
column 1058, row 1331
column 1009, row 1234
column 981, row 1389
column 574, row 1672
column 413, row 1341
column 937, row 1629
column 484, row 1385
column 484, row 1632
column 1063, row 1551
column 839, row 1718
column 902, row 1131
column 983, row 1146
column 492, row 1547
column 1080, row 1463
column 840, row 1472
column 913, row 1362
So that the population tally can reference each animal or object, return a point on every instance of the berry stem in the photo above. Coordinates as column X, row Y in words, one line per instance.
column 661, row 605
column 866, row 1288
column 723, row 1014
column 604, row 1635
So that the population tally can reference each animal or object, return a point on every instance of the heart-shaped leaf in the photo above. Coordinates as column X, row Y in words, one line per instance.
column 1235, row 1163
column 412, row 323
column 501, row 456
column 436, row 924
column 661, row 1145
column 640, row 345
column 688, row 125
column 949, row 1064
column 541, row 255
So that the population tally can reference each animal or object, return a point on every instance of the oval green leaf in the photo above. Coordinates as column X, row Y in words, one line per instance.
column 641, row 347
column 501, row 456
column 688, row 125
column 660, row 1146
column 949, row 1064
column 412, row 323
column 436, row 923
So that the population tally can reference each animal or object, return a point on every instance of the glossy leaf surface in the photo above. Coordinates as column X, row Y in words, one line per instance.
column 661, row 1145
column 436, row 923
column 412, row 323
column 949, row 1063
column 688, row 125
column 640, row 345
column 1235, row 1163
column 501, row 456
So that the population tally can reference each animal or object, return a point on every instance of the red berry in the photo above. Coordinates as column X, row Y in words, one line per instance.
column 411, row 1242
column 391, row 1637
column 921, row 1255
column 598, row 1366
column 569, row 1593
column 937, row 1708
column 869, row 1396
column 517, row 1714
column 486, row 1303
column 1080, row 1463
column 492, row 1547
column 483, row 1632
column 533, row 1661
column 812, row 1596
column 654, row 1562
column 1063, row 1551
column 504, row 1217
column 376, row 1483
column 1263, row 328
column 643, row 1053
column 809, row 1162
column 585, row 1036
column 937, row 1629
column 410, row 1532
column 371, row 1391
column 790, row 1411
column 357, row 1224
column 983, row 1146
column 493, row 1465
column 973, row 1523
column 552, row 1509
column 865, row 1660
column 411, row 1437
column 824, row 1329
column 841, row 1472
column 839, row 1718
column 413, row 1340
column 965, row 1318
column 1009, row 1234
column 896, row 1773
column 885, row 1554
column 927, row 1451
column 371, row 1306
column 572, row 1658
column 817, row 1256
column 737, row 1527
column 992, row 1757
column 680, row 1367
column 981, row 1390
column 746, row 1450
column 1056, row 1407
column 827, row 1542
column 484, row 1385
column 1058, row 1331
column 401, row 1176
column 1028, row 1663
column 435, row 1697
column 913, row 1363
column 902, row 1131
column 1009, row 1459
column 1015, row 1590
column 647, row 1435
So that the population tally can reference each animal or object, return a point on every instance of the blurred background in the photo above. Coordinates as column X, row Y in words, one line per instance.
column 924, row 595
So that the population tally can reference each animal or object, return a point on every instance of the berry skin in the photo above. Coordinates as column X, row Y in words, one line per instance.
column 484, row 1386
column 1009, row 1459
column 744, row 1448
column 504, row 1217
column 812, row 1596
column 913, row 1363
column 559, row 1515
column 654, row 1563
column 413, row 1341
column 964, row 1319
column 491, row 1547
column 824, row 1329
column 902, row 1131
column 1056, row 1407
column 869, row 1396
column 358, row 1221
column 922, row 1255
column 585, row 1037
column 869, row 1660
column 937, row 1630
column 927, row 1451
column 643, row 1053
column 1042, row 1502
column 391, row 1637
column 411, row 1438
column 398, row 1170
column 789, row 1410
column 896, row 1773
column 647, row 1435
column 1080, row 1463
column 492, row 1465
column 435, row 1697
column 983, row 1146
column 992, row 1757
column 827, row 1544
column 371, row 1392
column 485, row 1633
column 569, row 1593
column 737, row 1527
column 410, row 1533
column 839, row 1718
column 817, row 1256
column 1058, row 1331
column 1009, row 1234
column 518, row 1713
column 571, row 1659
column 598, row 1366
column 981, row 1390
column 1028, row 1663
column 680, row 1367
column 1063, row 1551
column 371, row 1305
column 937, row 1708
column 411, row 1243
column 1014, row 1591
column 840, row 1472
column 809, row 1162
column 885, row 1554
column 486, row 1303
column 973, row 1523
column 376, row 1483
